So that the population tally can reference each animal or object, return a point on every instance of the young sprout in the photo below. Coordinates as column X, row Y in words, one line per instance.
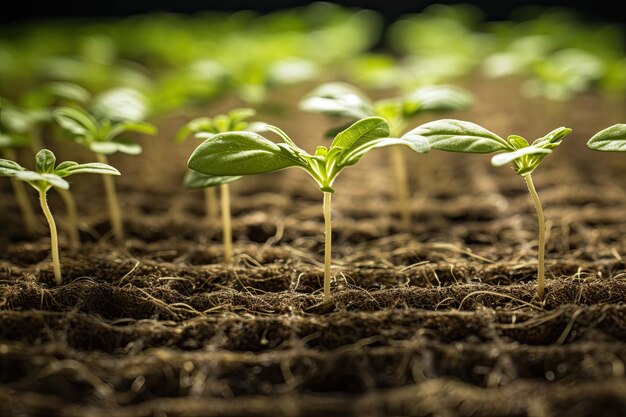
column 248, row 153
column 459, row 136
column 115, row 113
column 206, row 128
column 611, row 139
column 46, row 176
column 344, row 100
column 20, row 128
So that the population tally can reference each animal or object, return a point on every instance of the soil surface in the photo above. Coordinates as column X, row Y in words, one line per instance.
column 436, row 320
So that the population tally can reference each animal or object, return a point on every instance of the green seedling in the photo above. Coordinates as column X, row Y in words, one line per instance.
column 204, row 128
column 248, row 153
column 113, row 115
column 611, row 139
column 344, row 100
column 25, row 131
column 459, row 136
column 45, row 176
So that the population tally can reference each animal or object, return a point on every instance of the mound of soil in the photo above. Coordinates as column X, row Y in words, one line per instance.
column 439, row 319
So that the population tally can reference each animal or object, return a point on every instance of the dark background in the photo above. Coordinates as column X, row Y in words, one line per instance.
column 23, row 10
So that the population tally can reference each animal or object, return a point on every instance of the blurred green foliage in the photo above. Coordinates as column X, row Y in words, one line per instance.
column 176, row 60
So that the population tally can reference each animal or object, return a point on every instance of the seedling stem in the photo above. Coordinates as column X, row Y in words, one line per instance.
column 210, row 201
column 226, row 223
column 72, row 217
column 542, row 236
column 112, row 203
column 328, row 238
column 28, row 214
column 54, row 239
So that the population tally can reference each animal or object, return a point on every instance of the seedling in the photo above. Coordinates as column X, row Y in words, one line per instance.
column 344, row 100
column 101, row 135
column 205, row 128
column 46, row 176
column 459, row 136
column 248, row 153
column 611, row 139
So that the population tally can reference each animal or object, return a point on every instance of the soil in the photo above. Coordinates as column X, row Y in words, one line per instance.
column 437, row 320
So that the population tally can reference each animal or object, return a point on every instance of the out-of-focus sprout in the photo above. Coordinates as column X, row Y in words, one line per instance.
column 563, row 74
column 17, row 130
column 204, row 128
column 344, row 100
column 441, row 43
column 113, row 113
column 95, row 66
column 45, row 176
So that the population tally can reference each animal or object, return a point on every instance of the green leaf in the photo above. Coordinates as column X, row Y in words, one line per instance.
column 241, row 153
column 9, row 168
column 125, row 146
column 552, row 139
column 460, row 136
column 70, row 168
column 506, row 157
column 611, row 139
column 416, row 143
column 75, row 121
column 240, row 114
column 338, row 99
column 42, row 181
column 44, row 161
column 129, row 126
column 518, row 142
column 265, row 127
column 439, row 99
column 121, row 104
column 68, row 91
column 195, row 179
column 360, row 133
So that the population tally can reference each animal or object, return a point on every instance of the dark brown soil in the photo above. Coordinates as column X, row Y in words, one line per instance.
column 438, row 320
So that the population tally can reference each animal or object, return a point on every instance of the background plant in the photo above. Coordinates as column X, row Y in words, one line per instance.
column 45, row 176
column 460, row 136
column 17, row 130
column 114, row 113
column 248, row 153
column 338, row 99
column 204, row 128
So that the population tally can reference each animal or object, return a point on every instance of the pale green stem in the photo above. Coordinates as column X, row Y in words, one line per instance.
column 402, row 186
column 115, row 214
column 226, row 224
column 21, row 197
column 54, row 239
column 210, row 202
column 542, row 236
column 328, row 240
column 72, row 217
column 400, row 175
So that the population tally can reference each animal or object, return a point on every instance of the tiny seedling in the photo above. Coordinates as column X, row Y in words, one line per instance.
column 344, row 100
column 235, row 120
column 21, row 128
column 101, row 135
column 248, row 153
column 46, row 176
column 611, row 139
column 459, row 136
